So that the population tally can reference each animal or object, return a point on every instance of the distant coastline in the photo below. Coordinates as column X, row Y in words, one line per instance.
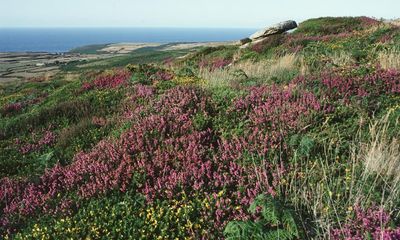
column 19, row 66
column 61, row 40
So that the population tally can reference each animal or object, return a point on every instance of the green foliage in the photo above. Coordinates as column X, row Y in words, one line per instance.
column 45, row 160
column 379, row 33
column 141, row 56
column 106, row 218
column 276, row 222
column 186, row 71
column 250, row 55
column 225, row 52
column 266, row 45
column 81, row 136
column 227, row 123
column 201, row 121
column 283, row 77
column 90, row 49
column 329, row 25
column 209, row 53
column 304, row 145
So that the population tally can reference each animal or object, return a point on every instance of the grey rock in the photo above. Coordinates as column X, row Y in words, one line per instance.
column 275, row 29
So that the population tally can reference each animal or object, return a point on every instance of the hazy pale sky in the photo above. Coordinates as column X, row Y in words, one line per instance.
column 182, row 13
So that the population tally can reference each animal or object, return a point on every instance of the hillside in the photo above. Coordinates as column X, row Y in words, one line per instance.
column 292, row 137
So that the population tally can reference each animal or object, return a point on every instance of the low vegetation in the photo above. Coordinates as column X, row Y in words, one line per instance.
column 294, row 138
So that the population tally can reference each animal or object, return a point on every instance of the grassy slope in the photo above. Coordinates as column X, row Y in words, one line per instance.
column 139, row 56
column 290, row 109
column 90, row 49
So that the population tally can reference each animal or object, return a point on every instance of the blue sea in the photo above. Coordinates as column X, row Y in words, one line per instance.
column 64, row 39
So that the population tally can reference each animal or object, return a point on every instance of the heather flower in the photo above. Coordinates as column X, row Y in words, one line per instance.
column 168, row 62
column 214, row 64
column 174, row 158
column 48, row 139
column 203, row 64
column 273, row 112
column 369, row 22
column 99, row 121
column 13, row 107
column 385, row 39
column 378, row 82
column 163, row 75
column 220, row 63
column 372, row 222
column 86, row 86
column 296, row 42
column 113, row 79
column 344, row 85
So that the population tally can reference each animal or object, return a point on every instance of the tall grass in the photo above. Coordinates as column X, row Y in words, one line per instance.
column 262, row 70
column 381, row 161
column 328, row 187
column 395, row 22
column 389, row 59
column 342, row 58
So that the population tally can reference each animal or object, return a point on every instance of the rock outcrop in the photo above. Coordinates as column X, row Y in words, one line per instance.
column 268, row 31
column 276, row 29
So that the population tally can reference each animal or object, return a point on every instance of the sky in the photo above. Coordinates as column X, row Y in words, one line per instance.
column 183, row 13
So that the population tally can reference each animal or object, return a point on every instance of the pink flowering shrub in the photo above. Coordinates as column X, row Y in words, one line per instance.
column 149, row 74
column 297, row 39
column 163, row 75
column 372, row 223
column 378, row 82
column 86, row 86
column 168, row 62
column 220, row 63
column 273, row 112
column 165, row 157
column 337, row 85
column 143, row 91
column 214, row 64
column 114, row 79
column 48, row 139
column 99, row 121
column 368, row 22
column 12, row 108
column 178, row 159
column 96, row 172
column 203, row 63
column 15, row 107
column 385, row 39
column 164, row 147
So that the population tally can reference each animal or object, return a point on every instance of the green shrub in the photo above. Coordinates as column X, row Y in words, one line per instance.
column 276, row 222
column 329, row 25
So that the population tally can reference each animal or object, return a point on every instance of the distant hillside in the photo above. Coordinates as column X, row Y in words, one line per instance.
column 90, row 49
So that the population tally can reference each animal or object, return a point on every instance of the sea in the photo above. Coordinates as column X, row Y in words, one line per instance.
column 59, row 40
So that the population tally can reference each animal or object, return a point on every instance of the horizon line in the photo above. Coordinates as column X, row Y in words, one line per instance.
column 116, row 27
